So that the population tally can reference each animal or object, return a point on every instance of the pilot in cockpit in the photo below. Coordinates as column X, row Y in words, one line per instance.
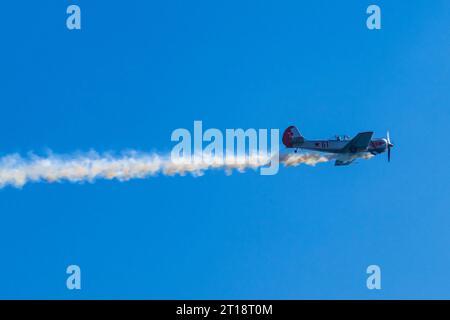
column 342, row 137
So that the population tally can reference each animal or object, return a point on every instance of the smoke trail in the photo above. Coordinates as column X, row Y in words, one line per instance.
column 306, row 158
column 314, row 158
column 18, row 171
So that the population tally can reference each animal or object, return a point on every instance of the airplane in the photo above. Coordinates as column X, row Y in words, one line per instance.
column 346, row 149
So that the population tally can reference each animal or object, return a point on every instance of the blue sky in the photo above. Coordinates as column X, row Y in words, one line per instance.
column 138, row 70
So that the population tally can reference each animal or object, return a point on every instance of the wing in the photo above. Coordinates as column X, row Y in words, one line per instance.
column 359, row 143
column 343, row 163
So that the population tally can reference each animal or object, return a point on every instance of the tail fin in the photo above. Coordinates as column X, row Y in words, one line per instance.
column 292, row 137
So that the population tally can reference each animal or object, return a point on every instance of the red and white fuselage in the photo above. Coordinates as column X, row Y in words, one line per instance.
column 350, row 149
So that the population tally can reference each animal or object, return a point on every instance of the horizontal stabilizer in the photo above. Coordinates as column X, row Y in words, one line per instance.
column 343, row 163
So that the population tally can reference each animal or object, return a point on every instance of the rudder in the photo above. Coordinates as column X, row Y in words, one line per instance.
column 292, row 137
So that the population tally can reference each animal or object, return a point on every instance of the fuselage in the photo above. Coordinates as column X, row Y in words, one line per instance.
column 375, row 146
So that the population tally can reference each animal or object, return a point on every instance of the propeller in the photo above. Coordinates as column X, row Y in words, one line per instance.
column 389, row 146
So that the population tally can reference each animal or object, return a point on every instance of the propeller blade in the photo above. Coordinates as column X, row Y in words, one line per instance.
column 389, row 145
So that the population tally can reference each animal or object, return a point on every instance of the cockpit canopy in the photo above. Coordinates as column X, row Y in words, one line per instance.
column 340, row 137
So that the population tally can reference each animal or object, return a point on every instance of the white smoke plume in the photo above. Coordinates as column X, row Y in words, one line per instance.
column 17, row 171
column 306, row 158
column 312, row 159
